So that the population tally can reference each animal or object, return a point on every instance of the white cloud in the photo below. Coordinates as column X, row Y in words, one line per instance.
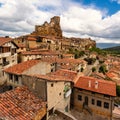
column 118, row 1
column 19, row 17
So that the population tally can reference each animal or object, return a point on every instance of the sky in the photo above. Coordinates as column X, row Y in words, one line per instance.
column 98, row 19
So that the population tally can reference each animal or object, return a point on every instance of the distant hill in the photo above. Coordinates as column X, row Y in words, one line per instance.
column 106, row 45
column 115, row 50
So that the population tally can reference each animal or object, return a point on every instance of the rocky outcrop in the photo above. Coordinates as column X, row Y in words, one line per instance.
column 49, row 29
column 50, row 34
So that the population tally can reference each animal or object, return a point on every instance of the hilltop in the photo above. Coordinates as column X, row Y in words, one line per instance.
column 49, row 36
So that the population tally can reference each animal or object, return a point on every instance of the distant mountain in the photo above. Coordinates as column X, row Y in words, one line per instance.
column 113, row 49
column 106, row 45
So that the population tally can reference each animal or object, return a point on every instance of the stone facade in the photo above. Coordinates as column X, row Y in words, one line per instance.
column 94, row 103
column 8, row 55
column 56, row 93
column 15, row 79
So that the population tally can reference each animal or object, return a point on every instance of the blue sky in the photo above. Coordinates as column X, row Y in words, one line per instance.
column 98, row 19
column 111, row 6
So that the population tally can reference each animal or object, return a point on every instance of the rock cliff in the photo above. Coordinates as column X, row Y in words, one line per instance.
column 49, row 29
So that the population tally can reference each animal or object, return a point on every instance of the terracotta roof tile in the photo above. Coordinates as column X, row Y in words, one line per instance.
column 21, row 67
column 39, row 53
column 4, row 40
column 65, row 60
column 104, row 87
column 65, row 73
column 20, row 104
column 31, row 39
column 50, row 77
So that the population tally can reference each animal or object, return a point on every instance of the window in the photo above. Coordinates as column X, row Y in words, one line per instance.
column 52, row 85
column 93, row 101
column 106, row 105
column 99, row 103
column 52, row 70
column 10, row 76
column 80, row 97
column 16, row 78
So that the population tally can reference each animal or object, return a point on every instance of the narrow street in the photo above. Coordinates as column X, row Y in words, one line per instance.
column 88, row 69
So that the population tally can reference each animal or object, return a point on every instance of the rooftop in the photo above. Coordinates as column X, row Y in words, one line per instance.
column 50, row 77
column 31, row 39
column 21, row 67
column 4, row 40
column 65, row 60
column 39, row 53
column 66, row 73
column 21, row 104
column 96, row 85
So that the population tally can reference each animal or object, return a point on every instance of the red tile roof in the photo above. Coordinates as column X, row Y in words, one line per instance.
column 21, row 67
column 20, row 104
column 50, row 77
column 31, row 39
column 4, row 40
column 21, row 45
column 104, row 87
column 65, row 73
column 39, row 53
column 65, row 60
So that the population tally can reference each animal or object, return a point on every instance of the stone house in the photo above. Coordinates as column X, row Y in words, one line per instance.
column 21, row 48
column 8, row 54
column 13, row 74
column 55, row 90
column 68, row 56
column 68, row 63
column 21, row 104
column 95, row 96
column 32, row 55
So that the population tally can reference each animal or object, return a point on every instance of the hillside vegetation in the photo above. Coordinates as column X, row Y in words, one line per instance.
column 113, row 50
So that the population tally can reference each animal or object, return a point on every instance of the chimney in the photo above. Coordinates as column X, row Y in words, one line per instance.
column 89, row 83
column 96, row 84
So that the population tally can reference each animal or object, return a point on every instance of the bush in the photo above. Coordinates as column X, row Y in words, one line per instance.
column 102, row 69
column 90, row 61
column 93, row 69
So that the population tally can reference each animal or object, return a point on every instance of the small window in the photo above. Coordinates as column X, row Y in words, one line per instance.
column 106, row 105
column 10, row 76
column 99, row 103
column 16, row 78
column 93, row 101
column 52, row 85
column 80, row 97
column 59, row 94
column 52, row 70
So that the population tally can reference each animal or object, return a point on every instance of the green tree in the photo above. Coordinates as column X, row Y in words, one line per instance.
column 102, row 69
column 90, row 61
column 93, row 69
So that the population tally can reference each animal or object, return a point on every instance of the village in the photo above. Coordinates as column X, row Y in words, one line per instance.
column 45, row 76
